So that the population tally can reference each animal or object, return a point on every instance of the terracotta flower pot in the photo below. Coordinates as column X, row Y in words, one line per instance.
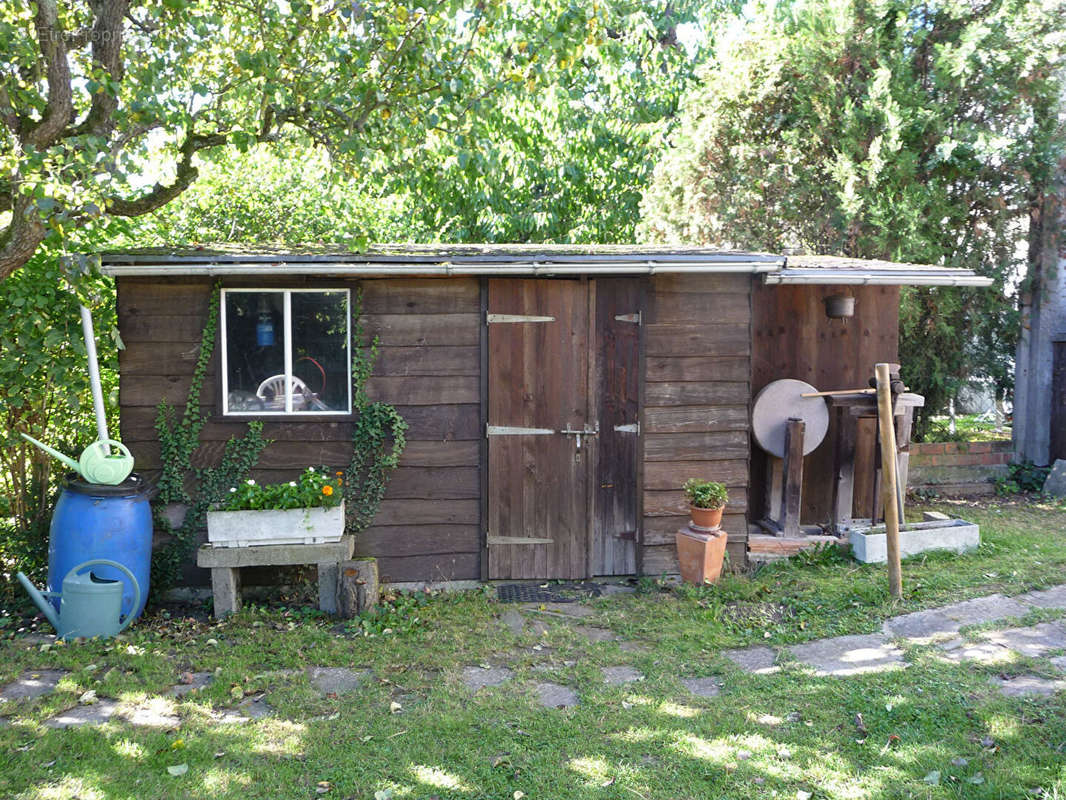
column 700, row 555
column 706, row 519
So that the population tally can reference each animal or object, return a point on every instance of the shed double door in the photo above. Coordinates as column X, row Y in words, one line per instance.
column 562, row 427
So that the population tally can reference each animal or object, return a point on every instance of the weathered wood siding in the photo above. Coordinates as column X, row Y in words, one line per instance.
column 428, row 367
column 695, row 419
column 793, row 338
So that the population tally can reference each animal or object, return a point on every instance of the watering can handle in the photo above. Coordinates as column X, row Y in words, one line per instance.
column 109, row 443
column 133, row 580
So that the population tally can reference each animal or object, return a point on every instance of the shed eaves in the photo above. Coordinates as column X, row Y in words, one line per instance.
column 523, row 259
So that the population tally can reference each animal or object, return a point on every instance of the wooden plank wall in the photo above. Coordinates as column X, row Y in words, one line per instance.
column 793, row 338
column 695, row 420
column 428, row 367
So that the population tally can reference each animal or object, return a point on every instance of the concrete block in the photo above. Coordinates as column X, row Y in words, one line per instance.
column 275, row 555
column 226, row 589
column 871, row 546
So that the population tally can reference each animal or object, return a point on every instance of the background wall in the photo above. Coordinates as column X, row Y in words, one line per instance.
column 695, row 415
column 428, row 366
column 793, row 338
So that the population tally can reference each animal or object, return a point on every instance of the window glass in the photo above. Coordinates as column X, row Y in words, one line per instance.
column 286, row 352
column 255, row 351
column 320, row 351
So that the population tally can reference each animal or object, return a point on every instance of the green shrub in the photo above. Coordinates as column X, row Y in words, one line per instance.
column 1024, row 477
column 315, row 488
column 705, row 494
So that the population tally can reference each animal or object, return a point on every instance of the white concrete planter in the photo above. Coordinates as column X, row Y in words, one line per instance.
column 291, row 526
column 870, row 545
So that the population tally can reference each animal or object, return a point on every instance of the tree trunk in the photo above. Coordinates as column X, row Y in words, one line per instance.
column 1043, row 312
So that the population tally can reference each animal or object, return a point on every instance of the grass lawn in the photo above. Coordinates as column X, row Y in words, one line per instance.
column 933, row 730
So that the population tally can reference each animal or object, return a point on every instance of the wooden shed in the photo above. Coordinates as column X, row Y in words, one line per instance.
column 557, row 396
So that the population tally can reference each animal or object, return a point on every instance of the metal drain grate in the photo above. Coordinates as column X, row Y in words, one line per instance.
column 546, row 593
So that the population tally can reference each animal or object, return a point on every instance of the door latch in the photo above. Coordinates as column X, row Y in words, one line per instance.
column 585, row 431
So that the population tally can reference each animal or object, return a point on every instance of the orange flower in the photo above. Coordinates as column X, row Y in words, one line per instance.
column 327, row 490
column 339, row 473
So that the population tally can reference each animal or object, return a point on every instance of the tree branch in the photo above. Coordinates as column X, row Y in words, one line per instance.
column 60, row 108
column 161, row 194
column 106, row 40
column 8, row 114
column 23, row 235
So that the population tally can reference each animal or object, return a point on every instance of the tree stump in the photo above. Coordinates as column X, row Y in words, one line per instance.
column 357, row 587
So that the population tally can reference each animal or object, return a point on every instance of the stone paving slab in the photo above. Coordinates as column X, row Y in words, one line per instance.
column 196, row 682
column 849, row 655
column 96, row 714
column 154, row 713
column 554, row 695
column 633, row 647
column 475, row 678
column 618, row 676
column 1055, row 597
column 922, row 627
column 1059, row 663
column 1028, row 686
column 248, row 710
column 573, row 610
column 594, row 634
column 1034, row 642
column 337, row 680
column 702, row 687
column 958, row 650
column 513, row 620
column 32, row 684
column 607, row 589
column 757, row 660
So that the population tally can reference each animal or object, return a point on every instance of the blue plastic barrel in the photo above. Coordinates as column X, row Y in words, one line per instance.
column 92, row 520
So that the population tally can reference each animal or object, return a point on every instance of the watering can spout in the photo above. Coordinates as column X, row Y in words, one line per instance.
column 70, row 462
column 40, row 600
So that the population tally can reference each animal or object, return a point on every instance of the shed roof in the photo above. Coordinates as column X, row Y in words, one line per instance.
column 521, row 259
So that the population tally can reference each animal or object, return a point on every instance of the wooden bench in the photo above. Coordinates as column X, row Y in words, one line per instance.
column 225, row 564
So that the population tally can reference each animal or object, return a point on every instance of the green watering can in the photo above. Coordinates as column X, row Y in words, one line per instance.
column 88, row 606
column 98, row 463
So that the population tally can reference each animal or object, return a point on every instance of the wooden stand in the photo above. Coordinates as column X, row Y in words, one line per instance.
column 784, row 497
column 847, row 410
column 225, row 564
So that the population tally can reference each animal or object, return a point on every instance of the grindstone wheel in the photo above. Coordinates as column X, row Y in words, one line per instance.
column 776, row 403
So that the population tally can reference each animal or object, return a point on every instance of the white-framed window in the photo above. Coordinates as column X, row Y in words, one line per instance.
column 286, row 351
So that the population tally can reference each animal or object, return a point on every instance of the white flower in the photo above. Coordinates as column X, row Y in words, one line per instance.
column 250, row 482
column 292, row 483
column 232, row 489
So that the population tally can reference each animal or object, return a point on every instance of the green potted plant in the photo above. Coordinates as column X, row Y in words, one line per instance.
column 309, row 510
column 706, row 502
column 701, row 544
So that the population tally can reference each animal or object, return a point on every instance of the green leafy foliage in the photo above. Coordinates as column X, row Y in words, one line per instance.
column 315, row 488
column 896, row 130
column 178, row 441
column 378, row 437
column 507, row 119
column 1023, row 477
column 398, row 614
column 705, row 494
column 44, row 391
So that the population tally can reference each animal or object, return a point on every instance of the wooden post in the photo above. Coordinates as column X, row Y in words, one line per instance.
column 843, row 468
column 792, row 481
column 886, row 425
column 357, row 586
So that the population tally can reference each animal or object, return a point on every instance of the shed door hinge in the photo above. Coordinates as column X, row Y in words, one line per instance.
column 628, row 536
column 637, row 318
column 516, row 318
column 631, row 428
